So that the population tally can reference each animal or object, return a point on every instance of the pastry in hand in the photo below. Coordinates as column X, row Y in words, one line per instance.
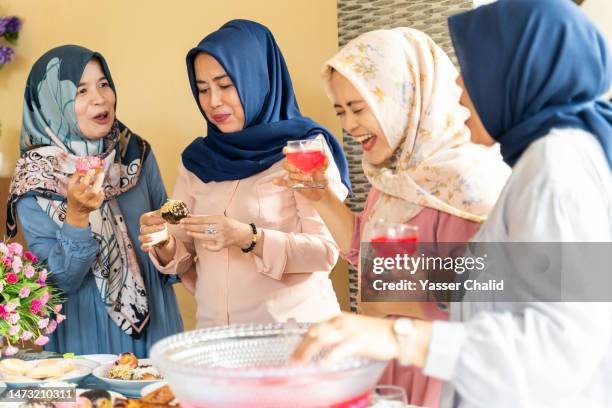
column 86, row 163
column 173, row 211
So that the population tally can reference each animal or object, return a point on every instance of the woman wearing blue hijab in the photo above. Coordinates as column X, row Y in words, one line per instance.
column 262, row 253
column 534, row 72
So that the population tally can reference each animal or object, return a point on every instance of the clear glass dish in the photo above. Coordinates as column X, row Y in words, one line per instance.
column 248, row 366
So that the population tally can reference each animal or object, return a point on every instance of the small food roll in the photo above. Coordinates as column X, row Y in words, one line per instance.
column 46, row 371
column 14, row 366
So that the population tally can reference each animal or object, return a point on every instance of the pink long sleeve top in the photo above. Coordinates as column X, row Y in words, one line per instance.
column 290, row 280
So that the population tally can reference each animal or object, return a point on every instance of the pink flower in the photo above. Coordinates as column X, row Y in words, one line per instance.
column 60, row 318
column 57, row 308
column 26, row 335
column 29, row 271
column 42, row 323
column 10, row 307
column 11, row 278
column 45, row 298
column 15, row 248
column 13, row 318
column 30, row 257
column 24, row 292
column 42, row 275
column 41, row 341
column 16, row 264
column 41, row 283
column 13, row 330
column 3, row 313
column 3, row 248
column 51, row 327
column 7, row 262
column 11, row 351
column 35, row 306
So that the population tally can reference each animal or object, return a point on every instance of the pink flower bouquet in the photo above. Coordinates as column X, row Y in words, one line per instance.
column 29, row 307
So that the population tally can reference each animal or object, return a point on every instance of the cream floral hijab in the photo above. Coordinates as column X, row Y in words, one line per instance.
column 409, row 83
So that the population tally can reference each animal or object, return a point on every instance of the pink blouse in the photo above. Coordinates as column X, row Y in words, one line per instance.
column 290, row 280
column 434, row 226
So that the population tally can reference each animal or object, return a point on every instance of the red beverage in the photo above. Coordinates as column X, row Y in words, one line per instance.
column 306, row 160
column 388, row 247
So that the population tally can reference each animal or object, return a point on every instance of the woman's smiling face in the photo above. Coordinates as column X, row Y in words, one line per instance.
column 358, row 119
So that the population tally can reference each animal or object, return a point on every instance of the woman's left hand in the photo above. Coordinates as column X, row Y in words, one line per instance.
column 350, row 334
column 217, row 231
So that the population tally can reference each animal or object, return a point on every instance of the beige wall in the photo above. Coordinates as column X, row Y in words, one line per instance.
column 601, row 12
column 145, row 42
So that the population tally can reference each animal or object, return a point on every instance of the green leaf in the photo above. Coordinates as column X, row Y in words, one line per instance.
column 11, row 37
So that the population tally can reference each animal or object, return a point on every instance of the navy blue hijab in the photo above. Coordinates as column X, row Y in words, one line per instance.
column 250, row 56
column 530, row 66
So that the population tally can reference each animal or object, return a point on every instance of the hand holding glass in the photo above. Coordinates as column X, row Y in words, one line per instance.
column 307, row 156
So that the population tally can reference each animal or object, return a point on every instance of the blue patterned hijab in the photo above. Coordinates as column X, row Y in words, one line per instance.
column 250, row 56
column 531, row 66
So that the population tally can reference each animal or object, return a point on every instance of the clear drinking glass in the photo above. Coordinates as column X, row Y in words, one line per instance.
column 306, row 155
column 388, row 396
column 390, row 238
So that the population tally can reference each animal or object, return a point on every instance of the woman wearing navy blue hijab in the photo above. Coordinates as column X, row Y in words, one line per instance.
column 534, row 73
column 250, row 250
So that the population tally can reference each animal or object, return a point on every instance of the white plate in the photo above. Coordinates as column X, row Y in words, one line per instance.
column 101, row 359
column 82, row 370
column 152, row 387
column 129, row 388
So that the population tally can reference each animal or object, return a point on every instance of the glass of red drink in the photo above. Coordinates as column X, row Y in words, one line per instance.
column 306, row 155
column 389, row 239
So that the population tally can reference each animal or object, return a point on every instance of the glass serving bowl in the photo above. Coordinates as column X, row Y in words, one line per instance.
column 248, row 366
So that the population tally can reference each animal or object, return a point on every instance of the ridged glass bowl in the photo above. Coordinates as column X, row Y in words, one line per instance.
column 247, row 366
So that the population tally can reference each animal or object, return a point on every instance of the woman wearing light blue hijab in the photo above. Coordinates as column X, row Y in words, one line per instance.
column 83, row 226
column 251, row 251
column 534, row 73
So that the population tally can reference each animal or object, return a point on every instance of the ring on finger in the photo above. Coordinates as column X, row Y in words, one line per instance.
column 211, row 229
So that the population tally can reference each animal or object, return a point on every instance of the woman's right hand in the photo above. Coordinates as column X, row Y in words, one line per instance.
column 296, row 176
column 84, row 196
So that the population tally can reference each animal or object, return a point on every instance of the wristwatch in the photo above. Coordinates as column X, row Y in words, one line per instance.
column 405, row 334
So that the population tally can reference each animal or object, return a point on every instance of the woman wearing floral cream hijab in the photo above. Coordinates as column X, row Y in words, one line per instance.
column 395, row 91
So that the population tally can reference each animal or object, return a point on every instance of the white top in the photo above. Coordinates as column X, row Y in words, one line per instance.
column 536, row 354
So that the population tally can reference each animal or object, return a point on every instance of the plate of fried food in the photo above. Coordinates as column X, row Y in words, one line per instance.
column 128, row 375
column 20, row 373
